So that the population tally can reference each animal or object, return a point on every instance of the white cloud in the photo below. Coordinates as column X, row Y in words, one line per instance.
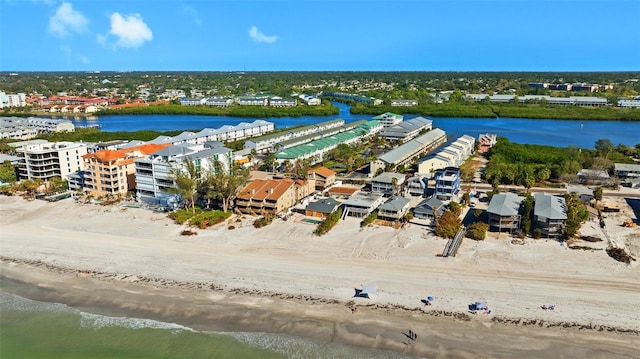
column 67, row 20
column 85, row 60
column 131, row 30
column 191, row 12
column 257, row 36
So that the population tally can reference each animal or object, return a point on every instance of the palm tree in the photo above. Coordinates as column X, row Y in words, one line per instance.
column 187, row 182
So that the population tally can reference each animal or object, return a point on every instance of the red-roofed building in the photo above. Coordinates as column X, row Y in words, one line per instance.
column 323, row 176
column 112, row 172
column 272, row 196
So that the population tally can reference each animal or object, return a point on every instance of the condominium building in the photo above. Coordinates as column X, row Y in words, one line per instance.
column 50, row 159
column 112, row 172
column 389, row 119
column 154, row 177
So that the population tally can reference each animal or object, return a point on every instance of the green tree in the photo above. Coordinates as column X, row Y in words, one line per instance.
column 597, row 194
column 603, row 147
column 57, row 184
column 186, row 177
column 448, row 224
column 270, row 162
column 7, row 172
column 527, row 212
column 224, row 184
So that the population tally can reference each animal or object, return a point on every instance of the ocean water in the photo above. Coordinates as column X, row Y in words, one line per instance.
column 32, row 329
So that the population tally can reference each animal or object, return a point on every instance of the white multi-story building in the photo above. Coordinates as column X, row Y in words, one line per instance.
column 389, row 119
column 12, row 100
column 50, row 159
column 154, row 178
column 451, row 155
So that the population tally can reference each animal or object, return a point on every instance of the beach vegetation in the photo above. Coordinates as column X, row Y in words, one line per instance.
column 369, row 219
column 30, row 187
column 526, row 208
column 56, row 184
column 207, row 219
column 265, row 220
column 224, row 184
column 477, row 231
column 7, row 172
column 576, row 215
column 536, row 233
column 182, row 216
column 455, row 207
column 328, row 223
column 448, row 224
column 187, row 181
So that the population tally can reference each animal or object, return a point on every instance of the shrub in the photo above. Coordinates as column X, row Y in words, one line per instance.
column 188, row 232
column 537, row 233
column 329, row 222
column 448, row 225
column 209, row 218
column 477, row 231
column 183, row 215
column 263, row 221
column 369, row 219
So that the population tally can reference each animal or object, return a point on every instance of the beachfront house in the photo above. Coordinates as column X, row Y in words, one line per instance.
column 429, row 209
column 394, row 208
column 504, row 212
column 322, row 208
column 549, row 214
column 361, row 204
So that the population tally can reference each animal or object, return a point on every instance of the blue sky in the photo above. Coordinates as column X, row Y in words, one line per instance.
column 320, row 35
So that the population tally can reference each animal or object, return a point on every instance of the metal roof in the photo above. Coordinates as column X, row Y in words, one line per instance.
column 549, row 206
column 413, row 146
column 505, row 204
column 395, row 204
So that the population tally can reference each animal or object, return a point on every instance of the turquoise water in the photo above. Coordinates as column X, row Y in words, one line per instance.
column 32, row 329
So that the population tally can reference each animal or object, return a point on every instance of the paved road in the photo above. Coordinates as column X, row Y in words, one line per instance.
column 623, row 192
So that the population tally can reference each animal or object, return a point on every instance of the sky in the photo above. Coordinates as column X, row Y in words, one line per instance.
column 320, row 35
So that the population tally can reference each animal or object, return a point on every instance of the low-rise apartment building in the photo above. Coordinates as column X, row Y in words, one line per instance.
column 272, row 196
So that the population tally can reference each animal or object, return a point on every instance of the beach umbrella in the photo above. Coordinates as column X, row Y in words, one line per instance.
column 430, row 298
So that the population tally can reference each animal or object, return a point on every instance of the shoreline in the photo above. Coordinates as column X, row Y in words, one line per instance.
column 375, row 326
column 281, row 278
column 211, row 287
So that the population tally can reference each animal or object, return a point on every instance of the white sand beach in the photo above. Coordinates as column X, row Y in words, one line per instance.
column 302, row 284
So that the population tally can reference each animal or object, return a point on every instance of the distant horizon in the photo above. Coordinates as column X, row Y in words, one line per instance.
column 320, row 36
column 328, row 71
